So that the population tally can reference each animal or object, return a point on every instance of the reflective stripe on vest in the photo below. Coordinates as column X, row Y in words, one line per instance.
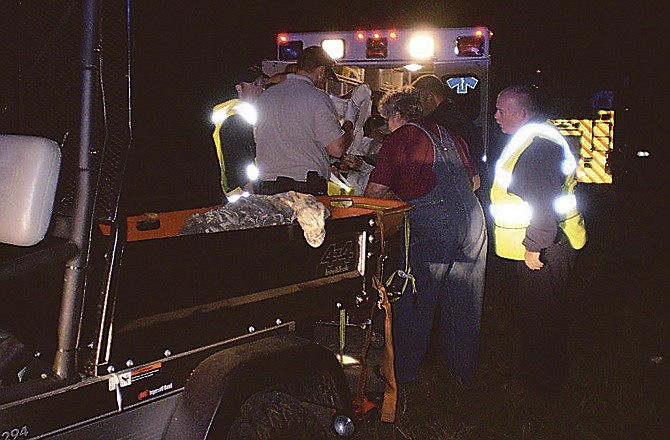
column 220, row 113
column 512, row 214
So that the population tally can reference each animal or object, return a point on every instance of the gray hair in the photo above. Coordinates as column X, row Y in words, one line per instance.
column 525, row 97
column 404, row 101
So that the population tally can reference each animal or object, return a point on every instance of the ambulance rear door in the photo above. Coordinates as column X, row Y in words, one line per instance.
column 388, row 59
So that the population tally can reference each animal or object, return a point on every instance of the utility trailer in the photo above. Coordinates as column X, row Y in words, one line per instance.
column 114, row 325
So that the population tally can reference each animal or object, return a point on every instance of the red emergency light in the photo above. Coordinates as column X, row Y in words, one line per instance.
column 470, row 45
column 377, row 46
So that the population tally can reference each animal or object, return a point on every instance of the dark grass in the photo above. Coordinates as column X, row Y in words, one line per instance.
column 619, row 310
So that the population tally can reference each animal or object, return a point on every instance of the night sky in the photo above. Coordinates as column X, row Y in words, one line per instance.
column 593, row 41
column 580, row 46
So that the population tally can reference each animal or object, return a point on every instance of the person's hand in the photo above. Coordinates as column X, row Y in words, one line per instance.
column 532, row 260
column 350, row 162
column 351, row 112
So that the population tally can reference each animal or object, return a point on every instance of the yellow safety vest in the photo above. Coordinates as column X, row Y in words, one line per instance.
column 511, row 214
column 220, row 113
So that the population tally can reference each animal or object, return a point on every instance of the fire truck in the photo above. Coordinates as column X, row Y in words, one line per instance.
column 387, row 59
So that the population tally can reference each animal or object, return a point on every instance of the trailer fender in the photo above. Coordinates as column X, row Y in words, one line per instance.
column 220, row 385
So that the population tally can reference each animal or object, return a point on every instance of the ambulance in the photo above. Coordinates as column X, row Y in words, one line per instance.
column 387, row 59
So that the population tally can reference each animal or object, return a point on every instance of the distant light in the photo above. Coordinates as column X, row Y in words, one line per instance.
column 334, row 48
column 376, row 35
column 484, row 158
column 538, row 71
column 422, row 46
column 252, row 171
column 232, row 198
column 282, row 38
column 248, row 112
column 360, row 35
column 393, row 35
column 344, row 426
column 347, row 360
column 643, row 153
column 413, row 67
column 479, row 33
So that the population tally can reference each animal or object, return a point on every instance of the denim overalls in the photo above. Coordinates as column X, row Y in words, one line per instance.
column 448, row 246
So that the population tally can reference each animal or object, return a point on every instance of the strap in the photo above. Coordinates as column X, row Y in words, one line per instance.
column 438, row 142
column 343, row 333
column 361, row 403
column 388, row 370
column 405, row 274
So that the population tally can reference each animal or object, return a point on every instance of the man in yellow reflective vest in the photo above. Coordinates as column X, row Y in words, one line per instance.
column 537, row 223
column 233, row 131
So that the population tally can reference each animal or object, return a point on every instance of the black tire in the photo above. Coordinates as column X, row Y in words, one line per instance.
column 274, row 415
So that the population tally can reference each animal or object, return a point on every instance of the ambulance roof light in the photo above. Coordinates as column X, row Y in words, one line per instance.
column 334, row 48
column 377, row 48
column 470, row 45
column 422, row 46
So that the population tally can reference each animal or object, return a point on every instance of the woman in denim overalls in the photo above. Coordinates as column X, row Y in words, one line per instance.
column 448, row 246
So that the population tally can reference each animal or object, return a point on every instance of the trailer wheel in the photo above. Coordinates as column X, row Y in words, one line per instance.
column 274, row 415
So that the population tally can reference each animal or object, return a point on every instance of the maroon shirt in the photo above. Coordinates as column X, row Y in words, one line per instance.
column 405, row 161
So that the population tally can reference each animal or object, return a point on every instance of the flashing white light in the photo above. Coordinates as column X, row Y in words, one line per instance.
column 413, row 67
column 347, row 360
column 642, row 153
column 244, row 109
column 252, row 172
column 565, row 204
column 334, row 48
column 248, row 112
column 218, row 116
column 422, row 46
column 232, row 198
column 340, row 182
column 512, row 214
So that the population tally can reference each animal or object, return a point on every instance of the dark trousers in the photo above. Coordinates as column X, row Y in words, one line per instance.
column 449, row 264
column 542, row 296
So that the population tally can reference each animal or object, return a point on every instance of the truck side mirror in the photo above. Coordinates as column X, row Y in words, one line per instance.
column 29, row 169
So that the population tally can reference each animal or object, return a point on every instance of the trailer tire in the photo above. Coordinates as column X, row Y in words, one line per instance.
column 273, row 415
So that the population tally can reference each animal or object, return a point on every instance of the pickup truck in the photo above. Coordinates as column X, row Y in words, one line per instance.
column 113, row 324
